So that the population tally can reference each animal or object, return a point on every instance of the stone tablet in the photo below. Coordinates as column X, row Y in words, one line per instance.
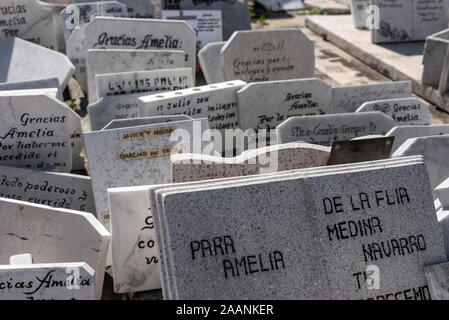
column 56, row 190
column 217, row 102
column 265, row 55
column 283, row 157
column 265, row 105
column 21, row 60
column 33, row 84
column 320, row 258
column 358, row 11
column 403, row 133
column 235, row 13
column 77, row 51
column 155, row 200
column 74, row 120
column 434, row 149
column 114, row 84
column 325, row 130
column 209, row 58
column 126, row 123
column 77, row 14
column 115, row 61
column 135, row 253
column 349, row 99
column 206, row 23
column 437, row 277
column 49, row 281
column 28, row 20
column 136, row 156
column 34, row 133
column 56, row 235
column 110, row 108
column 435, row 58
column 406, row 111
column 142, row 34
column 406, row 20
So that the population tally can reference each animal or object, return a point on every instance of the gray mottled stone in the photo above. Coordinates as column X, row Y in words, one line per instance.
column 57, row 190
column 217, row 102
column 76, row 14
column 405, row 111
column 209, row 58
column 435, row 150
column 358, row 11
column 438, row 279
column 74, row 120
column 18, row 62
column 259, row 220
column 114, row 61
column 281, row 5
column 326, row 129
column 349, row 99
column 235, row 13
column 135, row 268
column 403, row 133
column 27, row 141
column 110, row 108
column 160, row 222
column 33, row 84
column 442, row 193
column 404, row 20
column 53, row 235
column 121, row 157
column 135, row 122
column 28, row 20
column 113, row 84
column 290, row 156
column 265, row 105
column 434, row 57
column 145, row 34
column 78, row 279
column 265, row 55
column 77, row 51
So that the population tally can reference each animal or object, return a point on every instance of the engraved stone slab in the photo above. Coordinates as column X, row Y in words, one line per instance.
column 126, row 123
column 209, row 58
column 142, row 34
column 403, row 133
column 56, row 190
column 404, row 20
column 235, row 13
column 111, row 108
column 434, row 149
column 265, row 55
column 53, row 235
column 74, row 120
column 283, row 157
column 34, row 132
column 136, row 156
column 113, row 84
column 349, row 99
column 28, row 20
column 216, row 102
column 115, row 61
column 265, row 105
column 358, row 11
column 49, row 281
column 33, row 84
column 252, row 217
column 135, row 253
column 18, row 62
column 326, row 129
column 438, row 278
column 77, row 14
column 406, row 111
